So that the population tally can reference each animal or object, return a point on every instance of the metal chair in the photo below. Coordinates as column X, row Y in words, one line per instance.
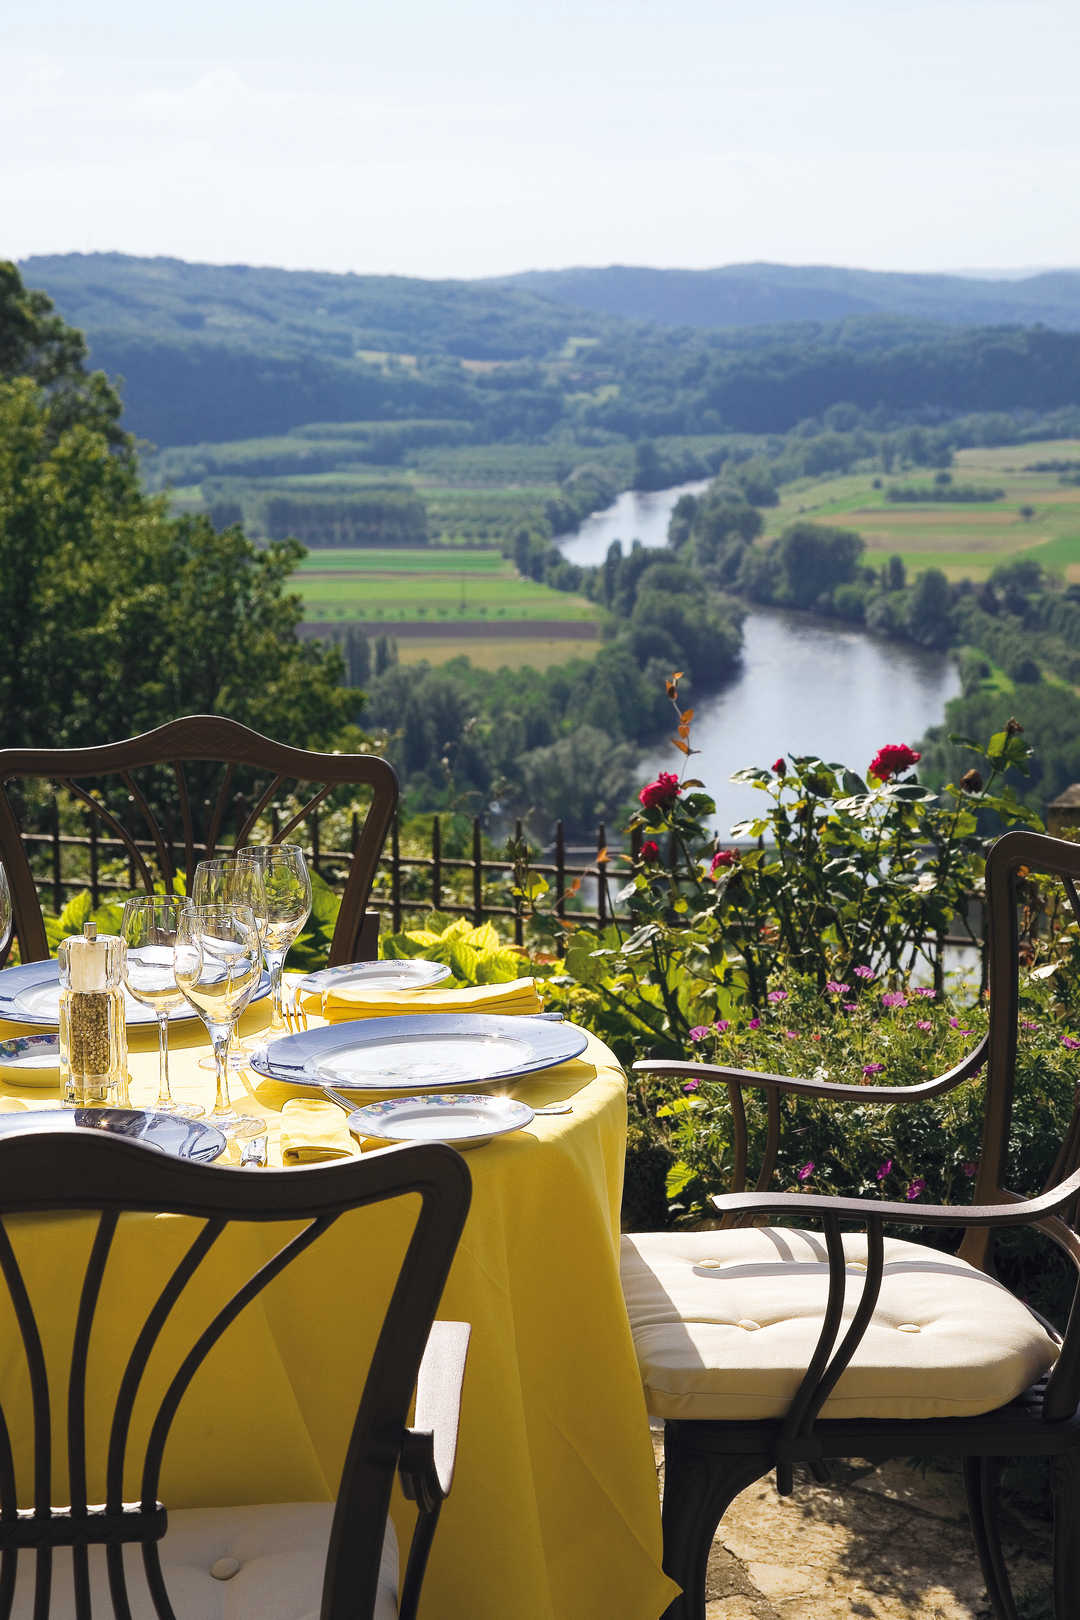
column 181, row 787
column 79, row 1568
column 862, row 1345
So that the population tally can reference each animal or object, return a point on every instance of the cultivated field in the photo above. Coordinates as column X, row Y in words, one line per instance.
column 429, row 587
column 964, row 541
column 496, row 652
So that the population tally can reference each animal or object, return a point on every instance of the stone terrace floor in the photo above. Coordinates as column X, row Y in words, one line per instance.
column 889, row 1543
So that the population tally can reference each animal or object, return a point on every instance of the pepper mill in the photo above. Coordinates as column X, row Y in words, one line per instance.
column 93, row 1028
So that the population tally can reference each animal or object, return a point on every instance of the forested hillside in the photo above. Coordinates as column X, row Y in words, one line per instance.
column 743, row 295
column 210, row 353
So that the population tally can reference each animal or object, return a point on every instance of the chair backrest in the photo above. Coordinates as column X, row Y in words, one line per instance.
column 84, row 1171
column 173, row 796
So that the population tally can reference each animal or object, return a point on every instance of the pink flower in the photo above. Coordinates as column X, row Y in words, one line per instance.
column 873, row 1068
column 755, row 1023
column 721, row 1026
column 662, row 793
column 835, row 988
column 955, row 1024
column 807, row 1171
column 924, row 990
column 722, row 858
column 850, row 1006
column 780, row 766
column 692, row 1085
column 884, row 1170
column 864, row 973
column 777, row 995
column 1067, row 1041
column 1027, row 1023
column 699, row 1032
column 650, row 850
column 791, row 1034
column 894, row 998
column 891, row 759
column 924, row 1024
column 969, row 1169
column 915, row 1188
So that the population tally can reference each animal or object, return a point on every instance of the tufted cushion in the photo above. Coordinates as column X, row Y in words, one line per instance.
column 268, row 1560
column 724, row 1324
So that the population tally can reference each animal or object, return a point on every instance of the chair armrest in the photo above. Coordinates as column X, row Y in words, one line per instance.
column 820, row 1088
column 1022, row 1212
column 430, row 1445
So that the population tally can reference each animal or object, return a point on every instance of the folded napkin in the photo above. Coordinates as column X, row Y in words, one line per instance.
column 11, row 1105
column 314, row 1131
column 519, row 996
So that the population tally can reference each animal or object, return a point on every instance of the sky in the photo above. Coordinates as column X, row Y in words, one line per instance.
column 473, row 138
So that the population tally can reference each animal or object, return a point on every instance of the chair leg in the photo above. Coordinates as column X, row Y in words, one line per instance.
column 1066, row 1488
column 981, row 1478
column 698, row 1489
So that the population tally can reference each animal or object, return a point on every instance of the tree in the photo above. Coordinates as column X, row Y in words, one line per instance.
column 116, row 616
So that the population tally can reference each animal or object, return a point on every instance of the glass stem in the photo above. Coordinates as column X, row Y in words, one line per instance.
column 164, row 1095
column 221, row 1037
column 275, row 961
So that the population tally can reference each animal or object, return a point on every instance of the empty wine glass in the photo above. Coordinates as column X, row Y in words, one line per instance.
column 149, row 927
column 273, row 879
column 214, row 884
column 218, row 965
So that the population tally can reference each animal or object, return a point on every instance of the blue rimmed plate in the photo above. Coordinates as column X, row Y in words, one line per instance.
column 408, row 973
column 463, row 1119
column 31, row 1060
column 168, row 1133
column 421, row 1052
column 30, row 994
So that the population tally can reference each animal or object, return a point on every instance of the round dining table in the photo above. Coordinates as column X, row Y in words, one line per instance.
column 554, row 1512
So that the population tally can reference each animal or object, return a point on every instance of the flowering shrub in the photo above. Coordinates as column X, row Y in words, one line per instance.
column 845, row 877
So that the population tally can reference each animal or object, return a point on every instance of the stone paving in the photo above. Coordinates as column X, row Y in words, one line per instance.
column 888, row 1543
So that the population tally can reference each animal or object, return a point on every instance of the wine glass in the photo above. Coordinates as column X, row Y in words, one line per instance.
column 218, row 965
column 214, row 884
column 273, row 879
column 149, row 927
column 5, row 912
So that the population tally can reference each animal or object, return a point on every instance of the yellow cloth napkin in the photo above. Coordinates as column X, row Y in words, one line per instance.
column 518, row 996
column 11, row 1105
column 314, row 1131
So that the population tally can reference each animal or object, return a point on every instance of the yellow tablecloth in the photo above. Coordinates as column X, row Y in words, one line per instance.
column 553, row 1514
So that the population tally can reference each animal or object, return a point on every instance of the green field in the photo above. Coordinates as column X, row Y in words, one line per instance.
column 496, row 652
column 963, row 541
column 411, row 585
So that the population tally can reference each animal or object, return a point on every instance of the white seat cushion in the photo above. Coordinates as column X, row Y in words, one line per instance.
column 724, row 1324
column 278, row 1550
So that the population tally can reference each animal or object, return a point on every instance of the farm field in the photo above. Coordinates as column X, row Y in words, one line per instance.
column 964, row 541
column 495, row 652
column 410, row 585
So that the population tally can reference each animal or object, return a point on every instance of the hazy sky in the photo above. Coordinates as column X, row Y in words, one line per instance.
column 476, row 138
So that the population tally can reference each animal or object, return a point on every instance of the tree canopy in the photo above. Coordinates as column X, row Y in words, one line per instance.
column 117, row 617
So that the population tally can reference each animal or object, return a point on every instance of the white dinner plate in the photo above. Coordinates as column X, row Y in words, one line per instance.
column 31, row 1060
column 410, row 973
column 30, row 994
column 169, row 1133
column 463, row 1119
column 420, row 1052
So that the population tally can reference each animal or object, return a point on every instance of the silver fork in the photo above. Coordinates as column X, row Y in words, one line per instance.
column 297, row 1020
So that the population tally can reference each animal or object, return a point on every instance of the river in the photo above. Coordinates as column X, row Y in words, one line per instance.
column 806, row 685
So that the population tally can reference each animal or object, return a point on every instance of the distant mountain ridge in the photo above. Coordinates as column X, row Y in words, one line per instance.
column 215, row 353
column 741, row 295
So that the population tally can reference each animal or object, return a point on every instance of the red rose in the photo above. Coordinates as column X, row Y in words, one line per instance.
column 780, row 766
column 722, row 858
column 891, row 759
column 650, row 850
column 660, row 794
